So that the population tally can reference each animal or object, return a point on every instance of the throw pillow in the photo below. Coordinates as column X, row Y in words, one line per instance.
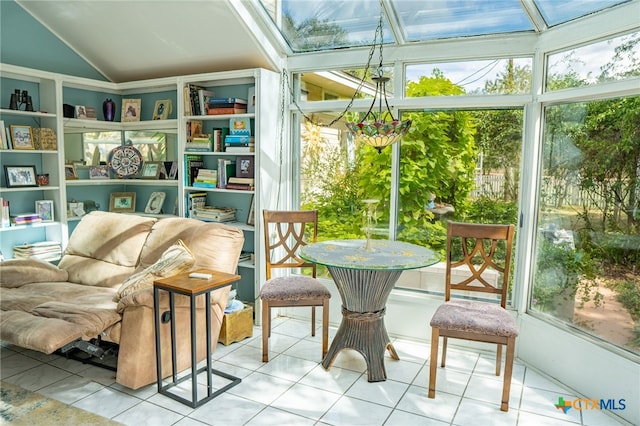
column 176, row 259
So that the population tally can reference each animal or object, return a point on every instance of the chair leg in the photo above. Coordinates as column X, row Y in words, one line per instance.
column 444, row 351
column 325, row 327
column 498, row 359
column 433, row 361
column 313, row 320
column 266, row 330
column 508, row 370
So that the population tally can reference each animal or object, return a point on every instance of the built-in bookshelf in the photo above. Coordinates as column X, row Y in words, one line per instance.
column 75, row 180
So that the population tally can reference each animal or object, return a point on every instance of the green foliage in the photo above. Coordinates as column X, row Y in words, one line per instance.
column 489, row 210
column 628, row 293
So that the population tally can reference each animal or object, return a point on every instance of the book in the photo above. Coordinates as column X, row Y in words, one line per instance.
column 5, row 220
column 217, row 138
column 239, row 149
column 213, row 100
column 193, row 163
column 242, row 180
column 226, row 169
column 207, row 178
column 240, row 186
column 231, row 139
column 194, row 201
column 203, row 100
column 199, row 143
column 216, row 214
column 240, row 126
column 225, row 110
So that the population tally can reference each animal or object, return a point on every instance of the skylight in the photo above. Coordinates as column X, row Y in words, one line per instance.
column 312, row 25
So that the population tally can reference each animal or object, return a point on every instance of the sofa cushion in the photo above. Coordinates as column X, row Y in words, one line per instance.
column 16, row 272
column 176, row 259
column 108, row 260
column 215, row 245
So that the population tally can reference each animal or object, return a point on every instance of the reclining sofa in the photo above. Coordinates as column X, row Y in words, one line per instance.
column 101, row 290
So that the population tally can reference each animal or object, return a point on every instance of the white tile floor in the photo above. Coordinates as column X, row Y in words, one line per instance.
column 294, row 389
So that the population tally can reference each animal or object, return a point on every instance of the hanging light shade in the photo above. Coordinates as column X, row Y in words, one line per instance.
column 378, row 128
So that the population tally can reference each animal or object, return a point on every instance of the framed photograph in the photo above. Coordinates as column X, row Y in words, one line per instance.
column 154, row 205
column 251, row 219
column 81, row 112
column 99, row 172
column 20, row 176
column 162, row 109
column 130, row 110
column 70, row 172
column 21, row 137
column 122, row 202
column 151, row 169
column 245, row 166
column 44, row 209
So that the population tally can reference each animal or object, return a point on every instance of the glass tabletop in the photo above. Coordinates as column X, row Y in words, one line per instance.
column 386, row 254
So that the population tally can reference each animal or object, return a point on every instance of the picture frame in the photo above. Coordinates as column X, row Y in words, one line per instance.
column 21, row 137
column 81, row 112
column 251, row 218
column 156, row 200
column 162, row 109
column 245, row 166
column 44, row 209
column 122, row 202
column 130, row 110
column 70, row 172
column 20, row 176
column 151, row 169
column 99, row 172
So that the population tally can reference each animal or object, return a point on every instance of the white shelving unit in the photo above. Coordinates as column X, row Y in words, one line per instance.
column 53, row 90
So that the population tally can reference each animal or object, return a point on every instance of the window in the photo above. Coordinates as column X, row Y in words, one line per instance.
column 98, row 145
column 588, row 230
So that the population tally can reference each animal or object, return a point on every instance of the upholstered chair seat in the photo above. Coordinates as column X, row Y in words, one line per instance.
column 475, row 317
column 293, row 288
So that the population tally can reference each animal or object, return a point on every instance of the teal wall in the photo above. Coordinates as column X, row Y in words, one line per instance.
column 25, row 42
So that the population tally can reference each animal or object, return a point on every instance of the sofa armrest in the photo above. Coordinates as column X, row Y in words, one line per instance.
column 17, row 272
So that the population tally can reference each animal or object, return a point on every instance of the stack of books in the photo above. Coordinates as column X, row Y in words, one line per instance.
column 195, row 200
column 48, row 251
column 219, row 106
column 207, row 178
column 243, row 184
column 239, row 143
column 240, row 138
column 215, row 214
column 201, row 143
column 192, row 163
column 196, row 99
column 26, row 219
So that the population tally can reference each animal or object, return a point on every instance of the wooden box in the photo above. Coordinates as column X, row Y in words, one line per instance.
column 236, row 326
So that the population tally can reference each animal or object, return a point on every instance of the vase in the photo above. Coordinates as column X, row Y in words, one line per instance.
column 109, row 109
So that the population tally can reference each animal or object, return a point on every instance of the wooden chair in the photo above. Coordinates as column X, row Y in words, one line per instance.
column 471, row 319
column 284, row 234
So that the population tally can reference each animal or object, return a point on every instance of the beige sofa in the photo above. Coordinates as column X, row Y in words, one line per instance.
column 44, row 307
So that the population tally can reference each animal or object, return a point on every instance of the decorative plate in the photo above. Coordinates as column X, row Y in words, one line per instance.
column 125, row 161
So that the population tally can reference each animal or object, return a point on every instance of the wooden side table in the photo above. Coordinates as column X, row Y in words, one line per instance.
column 192, row 287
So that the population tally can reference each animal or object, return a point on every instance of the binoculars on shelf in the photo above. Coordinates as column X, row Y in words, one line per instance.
column 19, row 98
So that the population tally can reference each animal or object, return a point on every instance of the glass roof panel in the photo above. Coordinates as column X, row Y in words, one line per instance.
column 330, row 24
column 435, row 19
column 556, row 12
column 316, row 25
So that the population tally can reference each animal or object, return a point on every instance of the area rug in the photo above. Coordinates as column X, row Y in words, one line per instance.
column 19, row 406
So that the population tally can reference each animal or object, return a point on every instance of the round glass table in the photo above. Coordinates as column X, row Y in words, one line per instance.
column 365, row 279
